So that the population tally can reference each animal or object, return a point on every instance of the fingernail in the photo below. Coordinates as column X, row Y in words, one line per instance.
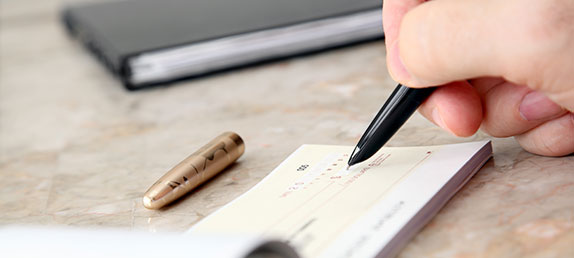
column 438, row 120
column 396, row 66
column 536, row 106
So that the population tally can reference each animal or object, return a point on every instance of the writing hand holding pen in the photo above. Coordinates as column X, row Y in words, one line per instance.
column 504, row 66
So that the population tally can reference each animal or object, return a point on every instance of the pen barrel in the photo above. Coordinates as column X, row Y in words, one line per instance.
column 199, row 167
column 399, row 107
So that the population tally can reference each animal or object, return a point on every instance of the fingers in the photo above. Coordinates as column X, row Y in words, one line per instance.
column 511, row 109
column 449, row 40
column 527, row 42
column 524, row 42
column 455, row 107
column 446, row 40
column 502, row 109
column 553, row 138
column 541, row 126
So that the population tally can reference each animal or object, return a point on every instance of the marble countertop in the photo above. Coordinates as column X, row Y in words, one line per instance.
column 77, row 149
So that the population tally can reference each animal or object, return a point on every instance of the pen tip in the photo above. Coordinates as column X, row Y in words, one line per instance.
column 348, row 167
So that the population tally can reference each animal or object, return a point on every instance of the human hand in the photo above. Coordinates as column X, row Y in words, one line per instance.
column 504, row 66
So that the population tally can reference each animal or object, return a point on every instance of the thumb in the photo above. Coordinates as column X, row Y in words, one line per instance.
column 449, row 40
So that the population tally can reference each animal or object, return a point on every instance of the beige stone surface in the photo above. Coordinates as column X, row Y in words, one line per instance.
column 76, row 149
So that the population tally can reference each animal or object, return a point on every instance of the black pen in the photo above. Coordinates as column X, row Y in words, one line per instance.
column 395, row 112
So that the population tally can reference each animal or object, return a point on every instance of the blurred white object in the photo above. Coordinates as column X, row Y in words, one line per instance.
column 65, row 242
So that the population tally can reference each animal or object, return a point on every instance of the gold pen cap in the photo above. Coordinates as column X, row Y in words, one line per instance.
column 199, row 167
